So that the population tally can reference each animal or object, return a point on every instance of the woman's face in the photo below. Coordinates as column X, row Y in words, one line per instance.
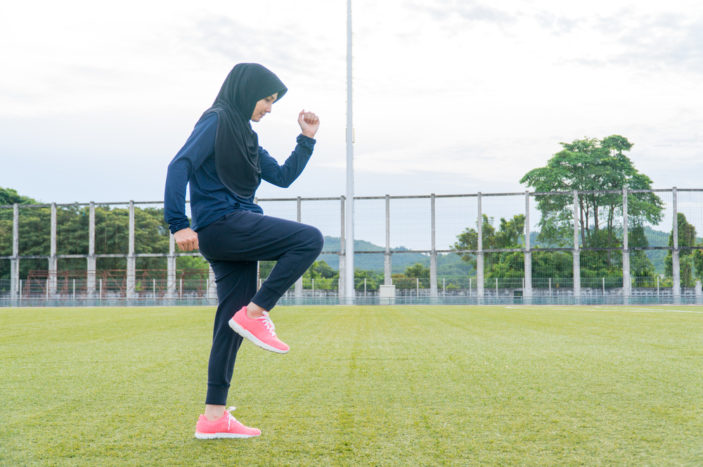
column 263, row 106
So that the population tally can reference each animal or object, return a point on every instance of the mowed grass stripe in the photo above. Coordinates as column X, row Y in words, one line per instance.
column 361, row 385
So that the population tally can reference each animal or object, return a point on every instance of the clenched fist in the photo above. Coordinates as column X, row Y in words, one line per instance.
column 186, row 239
column 309, row 123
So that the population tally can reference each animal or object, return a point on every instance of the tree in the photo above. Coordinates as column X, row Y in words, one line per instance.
column 510, row 234
column 641, row 266
column 591, row 165
column 373, row 280
column 418, row 270
column 324, row 276
column 686, row 238
column 698, row 263
column 10, row 196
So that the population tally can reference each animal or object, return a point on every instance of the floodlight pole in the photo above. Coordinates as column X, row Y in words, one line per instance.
column 349, row 209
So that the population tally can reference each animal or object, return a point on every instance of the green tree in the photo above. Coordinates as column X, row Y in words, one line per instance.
column 373, row 280
column 510, row 234
column 418, row 270
column 10, row 196
column 324, row 276
column 686, row 238
column 641, row 266
column 590, row 165
column 111, row 235
column 698, row 263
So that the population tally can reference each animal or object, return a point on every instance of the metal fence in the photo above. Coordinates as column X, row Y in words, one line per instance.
column 388, row 228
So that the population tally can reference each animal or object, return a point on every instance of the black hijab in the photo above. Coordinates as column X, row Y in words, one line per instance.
column 236, row 143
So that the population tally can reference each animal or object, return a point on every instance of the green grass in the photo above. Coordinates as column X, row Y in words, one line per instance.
column 399, row 385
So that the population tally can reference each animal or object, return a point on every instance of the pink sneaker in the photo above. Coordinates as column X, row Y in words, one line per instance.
column 260, row 331
column 225, row 427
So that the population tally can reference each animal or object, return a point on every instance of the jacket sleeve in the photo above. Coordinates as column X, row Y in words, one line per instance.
column 284, row 175
column 196, row 149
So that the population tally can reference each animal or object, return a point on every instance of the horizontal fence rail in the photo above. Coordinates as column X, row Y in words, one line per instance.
column 49, row 273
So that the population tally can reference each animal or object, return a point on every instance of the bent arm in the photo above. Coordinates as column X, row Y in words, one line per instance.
column 200, row 145
column 284, row 175
column 179, row 171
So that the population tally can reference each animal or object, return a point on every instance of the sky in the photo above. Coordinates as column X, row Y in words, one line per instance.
column 449, row 96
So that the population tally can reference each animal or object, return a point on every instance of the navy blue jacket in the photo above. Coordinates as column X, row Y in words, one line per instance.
column 194, row 165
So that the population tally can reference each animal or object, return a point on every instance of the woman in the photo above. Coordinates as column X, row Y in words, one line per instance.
column 224, row 165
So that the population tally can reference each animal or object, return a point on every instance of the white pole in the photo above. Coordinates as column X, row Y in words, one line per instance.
column 349, row 221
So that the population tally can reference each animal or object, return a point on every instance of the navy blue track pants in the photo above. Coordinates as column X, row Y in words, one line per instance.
column 233, row 244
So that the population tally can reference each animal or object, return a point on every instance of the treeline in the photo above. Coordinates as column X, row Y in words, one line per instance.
column 72, row 224
column 595, row 264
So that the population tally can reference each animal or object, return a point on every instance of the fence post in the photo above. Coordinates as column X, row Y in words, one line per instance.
column 171, row 267
column 91, row 261
column 676, row 266
column 576, row 251
column 479, row 254
column 433, row 254
column 527, row 288
column 299, row 282
column 342, row 251
column 387, row 266
column 626, row 281
column 52, row 255
column 131, row 260
column 386, row 292
column 15, row 291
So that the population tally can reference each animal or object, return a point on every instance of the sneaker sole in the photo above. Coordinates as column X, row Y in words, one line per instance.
column 247, row 335
column 221, row 435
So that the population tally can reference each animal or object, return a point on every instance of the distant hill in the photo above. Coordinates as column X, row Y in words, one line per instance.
column 447, row 264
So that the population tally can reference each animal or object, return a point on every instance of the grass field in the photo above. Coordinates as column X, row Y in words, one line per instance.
column 362, row 385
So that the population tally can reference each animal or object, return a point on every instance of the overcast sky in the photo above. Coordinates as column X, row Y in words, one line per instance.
column 449, row 96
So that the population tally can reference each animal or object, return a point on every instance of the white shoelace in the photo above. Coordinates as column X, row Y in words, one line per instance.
column 268, row 324
column 230, row 417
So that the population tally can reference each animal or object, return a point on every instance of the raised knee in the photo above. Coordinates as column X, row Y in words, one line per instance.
column 317, row 240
